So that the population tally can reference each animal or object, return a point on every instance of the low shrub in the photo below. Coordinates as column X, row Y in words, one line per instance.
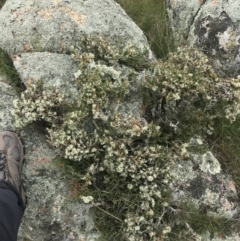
column 125, row 155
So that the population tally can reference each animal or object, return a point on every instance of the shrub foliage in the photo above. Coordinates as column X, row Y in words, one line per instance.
column 125, row 154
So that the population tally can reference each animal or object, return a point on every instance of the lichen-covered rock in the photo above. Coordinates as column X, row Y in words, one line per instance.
column 199, row 181
column 181, row 15
column 54, row 26
column 51, row 213
column 7, row 96
column 213, row 26
column 51, row 68
column 215, row 192
column 39, row 35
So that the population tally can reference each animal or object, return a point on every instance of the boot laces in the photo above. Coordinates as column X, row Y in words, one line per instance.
column 3, row 162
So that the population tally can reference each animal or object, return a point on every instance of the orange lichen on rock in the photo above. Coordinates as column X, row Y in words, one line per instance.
column 45, row 13
column 75, row 16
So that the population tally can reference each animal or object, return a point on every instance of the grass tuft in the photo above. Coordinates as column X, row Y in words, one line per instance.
column 225, row 143
column 151, row 17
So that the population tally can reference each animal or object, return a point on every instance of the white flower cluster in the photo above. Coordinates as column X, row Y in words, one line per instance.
column 73, row 139
column 186, row 83
column 36, row 104
column 111, row 143
column 87, row 199
column 130, row 126
column 140, row 166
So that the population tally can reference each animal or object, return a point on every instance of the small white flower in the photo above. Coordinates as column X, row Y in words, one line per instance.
column 150, row 213
column 137, row 228
column 166, row 230
column 150, row 178
column 16, row 103
column 120, row 168
column 165, row 204
column 151, row 234
column 77, row 74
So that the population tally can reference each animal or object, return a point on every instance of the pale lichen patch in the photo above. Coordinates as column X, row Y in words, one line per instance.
column 45, row 13
column 232, row 187
column 227, row 39
column 214, row 2
column 226, row 205
column 210, row 197
column 56, row 2
column 75, row 16
column 27, row 47
column 208, row 163
column 174, row 3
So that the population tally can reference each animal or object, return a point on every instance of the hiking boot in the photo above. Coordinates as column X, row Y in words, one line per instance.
column 11, row 161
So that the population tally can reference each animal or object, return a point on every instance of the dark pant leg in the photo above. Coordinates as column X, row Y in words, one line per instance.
column 11, row 213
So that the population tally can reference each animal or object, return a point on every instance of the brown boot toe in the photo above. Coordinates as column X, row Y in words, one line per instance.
column 11, row 161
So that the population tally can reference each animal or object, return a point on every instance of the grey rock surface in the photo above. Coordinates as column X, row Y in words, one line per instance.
column 7, row 96
column 51, row 68
column 214, row 193
column 200, row 181
column 55, row 25
column 181, row 15
column 213, row 26
column 51, row 214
